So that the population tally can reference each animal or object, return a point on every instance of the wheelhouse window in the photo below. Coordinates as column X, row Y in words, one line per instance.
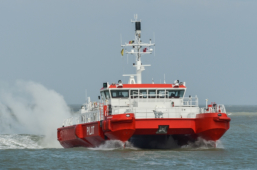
column 143, row 94
column 102, row 95
column 161, row 93
column 134, row 94
column 120, row 93
column 175, row 93
column 151, row 93
column 107, row 94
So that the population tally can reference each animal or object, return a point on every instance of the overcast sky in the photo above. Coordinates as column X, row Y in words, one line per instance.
column 70, row 46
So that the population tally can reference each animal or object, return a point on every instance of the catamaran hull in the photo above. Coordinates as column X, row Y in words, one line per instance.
column 155, row 133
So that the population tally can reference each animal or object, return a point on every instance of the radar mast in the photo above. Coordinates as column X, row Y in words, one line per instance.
column 138, row 49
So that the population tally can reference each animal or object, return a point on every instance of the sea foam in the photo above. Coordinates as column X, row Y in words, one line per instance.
column 30, row 108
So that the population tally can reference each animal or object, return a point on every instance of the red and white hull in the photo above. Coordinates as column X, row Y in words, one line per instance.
column 143, row 133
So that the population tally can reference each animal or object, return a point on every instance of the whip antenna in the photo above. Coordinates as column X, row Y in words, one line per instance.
column 120, row 39
column 121, row 44
column 154, row 42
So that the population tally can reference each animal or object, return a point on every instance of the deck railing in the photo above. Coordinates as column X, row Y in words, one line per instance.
column 174, row 112
column 218, row 108
column 190, row 101
column 83, row 118
column 186, row 101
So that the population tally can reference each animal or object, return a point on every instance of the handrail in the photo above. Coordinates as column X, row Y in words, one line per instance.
column 219, row 108
column 189, row 103
column 174, row 112
column 83, row 118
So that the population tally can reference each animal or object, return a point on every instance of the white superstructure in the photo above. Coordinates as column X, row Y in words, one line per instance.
column 144, row 100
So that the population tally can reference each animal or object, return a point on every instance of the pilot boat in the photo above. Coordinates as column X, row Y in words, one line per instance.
column 147, row 115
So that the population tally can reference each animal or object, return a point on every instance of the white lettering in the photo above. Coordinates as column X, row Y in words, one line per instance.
column 90, row 130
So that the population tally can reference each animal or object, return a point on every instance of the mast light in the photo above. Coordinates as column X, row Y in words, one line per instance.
column 105, row 85
column 138, row 26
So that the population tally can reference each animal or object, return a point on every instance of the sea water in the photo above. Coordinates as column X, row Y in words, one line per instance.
column 30, row 115
column 237, row 149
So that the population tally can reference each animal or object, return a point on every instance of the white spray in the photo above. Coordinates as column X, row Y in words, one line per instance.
column 30, row 108
column 200, row 143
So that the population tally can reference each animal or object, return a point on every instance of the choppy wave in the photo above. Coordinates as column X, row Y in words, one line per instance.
column 203, row 144
column 114, row 144
column 16, row 141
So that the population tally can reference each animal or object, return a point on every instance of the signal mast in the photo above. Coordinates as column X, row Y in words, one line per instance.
column 138, row 49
